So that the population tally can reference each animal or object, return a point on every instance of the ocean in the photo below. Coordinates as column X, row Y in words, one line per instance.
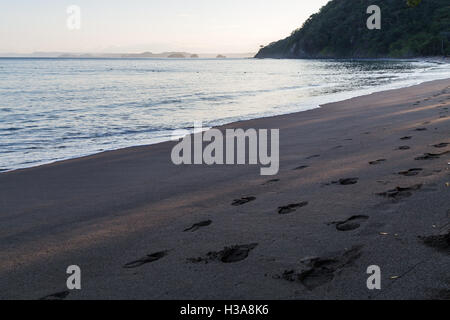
column 56, row 109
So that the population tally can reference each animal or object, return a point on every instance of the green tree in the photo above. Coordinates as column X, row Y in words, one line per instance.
column 414, row 3
column 339, row 30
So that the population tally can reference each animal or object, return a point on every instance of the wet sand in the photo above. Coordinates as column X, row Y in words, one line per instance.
column 362, row 182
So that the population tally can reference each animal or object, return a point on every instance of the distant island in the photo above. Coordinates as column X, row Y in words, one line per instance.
column 147, row 54
column 177, row 55
column 408, row 29
column 221, row 56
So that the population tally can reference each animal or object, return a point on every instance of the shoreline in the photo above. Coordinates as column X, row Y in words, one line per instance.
column 362, row 182
column 350, row 95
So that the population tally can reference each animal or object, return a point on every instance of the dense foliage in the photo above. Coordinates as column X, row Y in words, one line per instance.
column 409, row 28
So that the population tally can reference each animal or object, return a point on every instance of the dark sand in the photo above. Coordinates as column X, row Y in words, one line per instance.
column 142, row 228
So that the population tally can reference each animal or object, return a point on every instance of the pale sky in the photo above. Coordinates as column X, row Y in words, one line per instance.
column 197, row 26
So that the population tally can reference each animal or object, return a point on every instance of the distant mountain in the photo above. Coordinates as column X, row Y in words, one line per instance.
column 409, row 28
column 156, row 55
column 123, row 55
column 177, row 55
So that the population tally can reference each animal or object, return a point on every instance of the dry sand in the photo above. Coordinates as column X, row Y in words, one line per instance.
column 121, row 215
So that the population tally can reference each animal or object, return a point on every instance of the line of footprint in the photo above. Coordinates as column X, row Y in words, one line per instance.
column 317, row 271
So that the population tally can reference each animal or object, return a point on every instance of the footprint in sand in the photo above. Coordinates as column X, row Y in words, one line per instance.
column 242, row 201
column 316, row 272
column 441, row 145
column 199, row 225
column 400, row 192
column 271, row 181
column 439, row 242
column 56, row 296
column 406, row 138
column 292, row 207
column 350, row 224
column 313, row 156
column 348, row 181
column 147, row 259
column 344, row 182
column 421, row 129
column 404, row 148
column 228, row 254
column 301, row 167
column 411, row 172
column 431, row 156
column 372, row 163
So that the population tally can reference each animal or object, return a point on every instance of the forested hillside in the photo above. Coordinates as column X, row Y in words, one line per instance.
column 408, row 29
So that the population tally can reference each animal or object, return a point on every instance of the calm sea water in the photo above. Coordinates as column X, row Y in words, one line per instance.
column 54, row 109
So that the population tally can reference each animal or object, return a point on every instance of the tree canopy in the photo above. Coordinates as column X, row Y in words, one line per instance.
column 409, row 28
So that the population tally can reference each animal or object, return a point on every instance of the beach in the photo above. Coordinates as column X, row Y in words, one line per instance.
column 362, row 182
